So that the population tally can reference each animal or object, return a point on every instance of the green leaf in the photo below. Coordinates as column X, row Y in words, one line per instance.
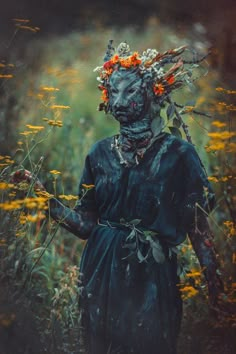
column 170, row 111
column 135, row 222
column 175, row 131
column 131, row 235
column 141, row 258
column 157, row 251
column 176, row 123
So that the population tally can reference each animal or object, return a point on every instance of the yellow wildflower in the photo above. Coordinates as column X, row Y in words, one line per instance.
column 57, row 106
column 213, row 179
column 55, row 172
column 222, row 135
column 4, row 185
column 193, row 274
column 9, row 206
column 88, row 186
column 36, row 217
column 50, row 89
column 230, row 228
column 218, row 124
column 26, row 133
column 55, row 123
column 35, row 127
column 68, row 197
column 224, row 179
column 44, row 194
column 9, row 161
column 215, row 146
column 6, row 76
column 31, row 204
column 188, row 292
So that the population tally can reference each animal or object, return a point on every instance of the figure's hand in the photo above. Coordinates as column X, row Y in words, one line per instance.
column 23, row 175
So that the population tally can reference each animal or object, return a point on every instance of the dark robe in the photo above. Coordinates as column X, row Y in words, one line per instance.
column 129, row 306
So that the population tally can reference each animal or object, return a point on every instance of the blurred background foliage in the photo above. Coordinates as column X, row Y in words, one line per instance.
column 48, row 122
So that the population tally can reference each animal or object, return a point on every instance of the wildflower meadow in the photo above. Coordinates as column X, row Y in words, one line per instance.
column 49, row 121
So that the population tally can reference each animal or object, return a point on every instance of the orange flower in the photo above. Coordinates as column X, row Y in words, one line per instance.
column 125, row 63
column 114, row 59
column 159, row 89
column 134, row 59
column 170, row 79
column 104, row 96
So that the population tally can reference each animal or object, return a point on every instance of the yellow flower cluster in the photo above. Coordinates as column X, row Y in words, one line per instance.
column 220, row 179
column 229, row 107
column 4, row 185
column 5, row 161
column 221, row 140
column 228, row 92
column 225, row 135
column 55, row 172
column 39, row 203
column 54, row 123
column 231, row 228
column 188, row 292
column 68, row 197
column 35, row 127
column 31, row 218
column 218, row 124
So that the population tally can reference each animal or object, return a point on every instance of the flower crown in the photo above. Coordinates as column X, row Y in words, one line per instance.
column 165, row 72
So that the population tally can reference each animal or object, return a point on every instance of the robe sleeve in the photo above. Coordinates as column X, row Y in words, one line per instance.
column 198, row 194
column 80, row 220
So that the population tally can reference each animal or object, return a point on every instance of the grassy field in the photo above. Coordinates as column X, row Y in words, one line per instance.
column 50, row 120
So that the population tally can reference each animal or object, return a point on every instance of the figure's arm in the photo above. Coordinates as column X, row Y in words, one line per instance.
column 79, row 222
column 202, row 241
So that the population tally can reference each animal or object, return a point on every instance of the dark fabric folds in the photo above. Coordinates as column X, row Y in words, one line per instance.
column 127, row 306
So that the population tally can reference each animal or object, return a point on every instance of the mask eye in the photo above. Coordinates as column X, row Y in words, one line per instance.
column 113, row 91
column 132, row 90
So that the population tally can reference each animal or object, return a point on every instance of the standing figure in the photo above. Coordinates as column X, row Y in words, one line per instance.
column 148, row 191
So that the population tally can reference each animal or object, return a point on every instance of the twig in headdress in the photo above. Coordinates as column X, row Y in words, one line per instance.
column 184, row 126
column 192, row 110
column 110, row 51
column 194, row 61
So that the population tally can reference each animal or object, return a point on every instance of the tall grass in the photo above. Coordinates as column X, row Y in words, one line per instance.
column 54, row 122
